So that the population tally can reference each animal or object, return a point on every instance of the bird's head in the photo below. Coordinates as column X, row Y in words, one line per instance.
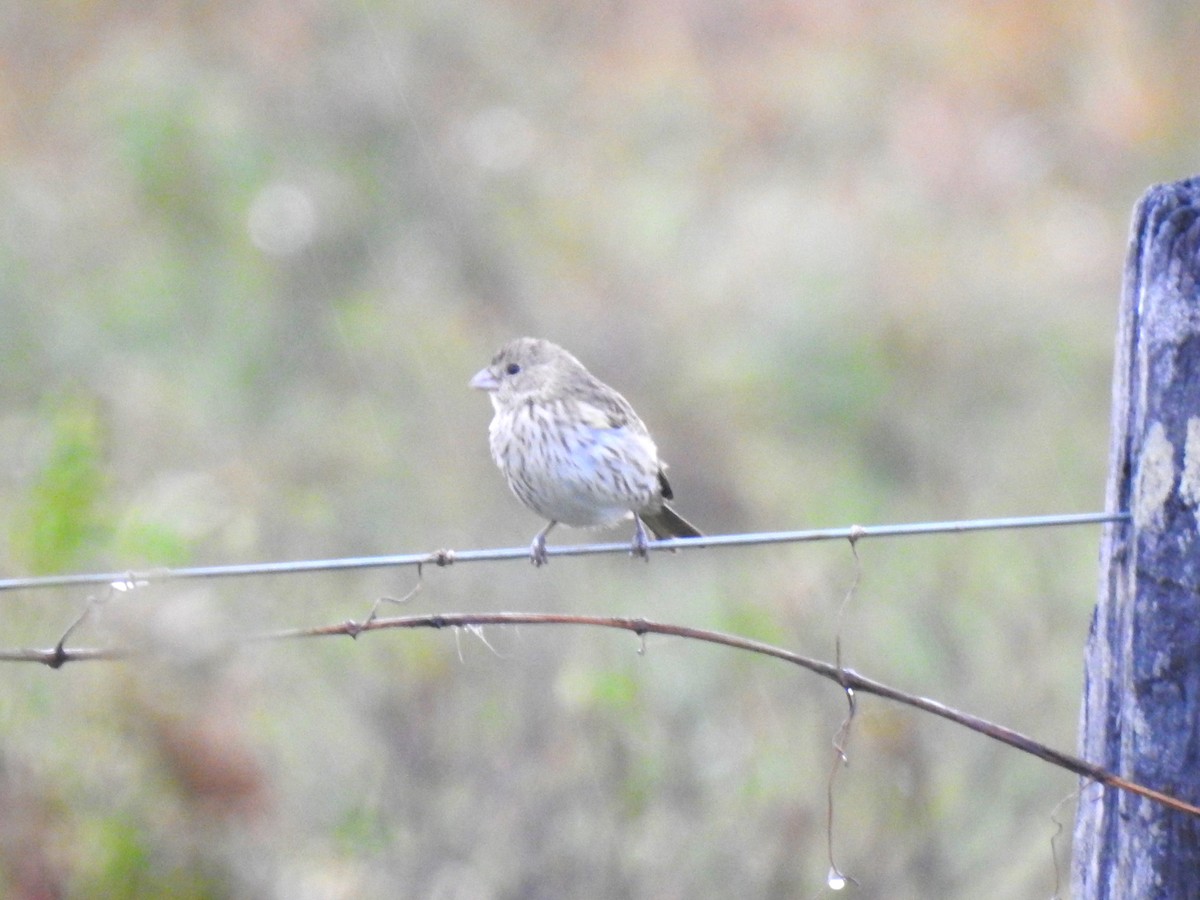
column 526, row 369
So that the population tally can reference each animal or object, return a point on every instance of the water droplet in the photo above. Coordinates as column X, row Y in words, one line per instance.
column 835, row 879
column 128, row 584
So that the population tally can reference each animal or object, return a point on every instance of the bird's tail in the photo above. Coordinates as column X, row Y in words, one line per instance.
column 666, row 523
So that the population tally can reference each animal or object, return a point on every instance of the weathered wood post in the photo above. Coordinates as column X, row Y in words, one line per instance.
column 1141, row 702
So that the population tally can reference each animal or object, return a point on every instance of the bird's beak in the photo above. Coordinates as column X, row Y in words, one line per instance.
column 484, row 380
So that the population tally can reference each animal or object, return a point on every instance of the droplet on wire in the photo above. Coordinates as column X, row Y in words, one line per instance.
column 128, row 584
column 835, row 880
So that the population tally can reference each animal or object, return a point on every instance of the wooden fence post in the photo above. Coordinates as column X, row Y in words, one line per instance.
column 1141, row 702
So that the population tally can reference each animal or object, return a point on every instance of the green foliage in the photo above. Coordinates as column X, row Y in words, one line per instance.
column 361, row 830
column 64, row 519
column 754, row 622
column 139, row 542
column 120, row 863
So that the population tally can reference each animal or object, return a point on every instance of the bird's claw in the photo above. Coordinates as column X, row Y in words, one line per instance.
column 641, row 545
column 537, row 551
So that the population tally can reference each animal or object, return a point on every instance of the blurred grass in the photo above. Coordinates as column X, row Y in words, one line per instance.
column 851, row 264
column 62, row 519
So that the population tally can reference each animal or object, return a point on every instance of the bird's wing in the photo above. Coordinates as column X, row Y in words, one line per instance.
column 605, row 408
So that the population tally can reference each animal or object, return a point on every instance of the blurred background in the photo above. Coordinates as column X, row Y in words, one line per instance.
column 852, row 263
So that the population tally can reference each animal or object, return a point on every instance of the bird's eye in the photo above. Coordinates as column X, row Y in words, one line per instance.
column 512, row 368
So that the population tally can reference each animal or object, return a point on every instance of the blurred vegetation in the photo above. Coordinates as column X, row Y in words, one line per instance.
column 63, row 517
column 852, row 263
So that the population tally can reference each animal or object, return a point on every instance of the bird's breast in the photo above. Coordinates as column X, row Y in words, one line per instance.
column 570, row 471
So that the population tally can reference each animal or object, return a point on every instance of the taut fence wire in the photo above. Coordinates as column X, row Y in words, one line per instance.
column 128, row 579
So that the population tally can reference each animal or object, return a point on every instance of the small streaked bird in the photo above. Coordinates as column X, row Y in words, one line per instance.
column 572, row 449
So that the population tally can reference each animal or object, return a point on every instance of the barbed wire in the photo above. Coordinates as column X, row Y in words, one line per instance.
column 130, row 579
column 848, row 679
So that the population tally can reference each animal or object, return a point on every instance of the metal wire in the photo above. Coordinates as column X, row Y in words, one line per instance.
column 131, row 579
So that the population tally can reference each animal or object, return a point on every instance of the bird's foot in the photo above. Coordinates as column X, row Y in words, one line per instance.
column 537, row 551
column 641, row 544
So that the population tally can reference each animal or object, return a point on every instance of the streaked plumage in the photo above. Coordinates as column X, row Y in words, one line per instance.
column 571, row 448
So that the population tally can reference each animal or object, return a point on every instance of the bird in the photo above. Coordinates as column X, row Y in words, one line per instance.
column 572, row 449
